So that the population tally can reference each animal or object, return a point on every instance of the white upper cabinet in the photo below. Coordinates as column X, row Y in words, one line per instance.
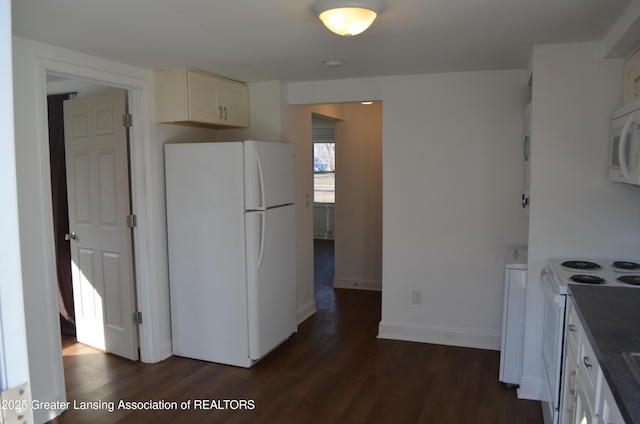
column 188, row 97
column 632, row 78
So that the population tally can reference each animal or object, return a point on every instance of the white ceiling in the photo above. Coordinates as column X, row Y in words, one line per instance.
column 259, row 40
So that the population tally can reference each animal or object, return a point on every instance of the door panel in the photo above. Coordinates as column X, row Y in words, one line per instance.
column 85, row 275
column 107, row 185
column 80, row 186
column 101, row 250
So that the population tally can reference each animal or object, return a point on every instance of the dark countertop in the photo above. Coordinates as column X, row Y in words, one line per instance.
column 611, row 320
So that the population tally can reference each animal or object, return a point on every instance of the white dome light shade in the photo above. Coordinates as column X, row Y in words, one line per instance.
column 348, row 21
column 345, row 17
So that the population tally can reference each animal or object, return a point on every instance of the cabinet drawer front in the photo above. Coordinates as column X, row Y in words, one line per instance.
column 574, row 328
column 589, row 371
column 584, row 410
column 608, row 409
column 571, row 353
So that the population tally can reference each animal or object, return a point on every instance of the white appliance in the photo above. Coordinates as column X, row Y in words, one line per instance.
column 515, row 290
column 554, row 280
column 231, row 234
column 624, row 147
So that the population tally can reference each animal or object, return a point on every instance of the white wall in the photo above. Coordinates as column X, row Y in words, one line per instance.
column 452, row 179
column 14, row 367
column 358, row 212
column 575, row 211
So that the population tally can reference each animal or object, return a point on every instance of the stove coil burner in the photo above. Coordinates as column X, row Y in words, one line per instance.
column 587, row 279
column 584, row 265
column 634, row 280
column 626, row 266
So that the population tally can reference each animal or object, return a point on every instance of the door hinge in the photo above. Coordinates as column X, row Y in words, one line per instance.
column 137, row 318
column 127, row 120
column 132, row 221
column 16, row 405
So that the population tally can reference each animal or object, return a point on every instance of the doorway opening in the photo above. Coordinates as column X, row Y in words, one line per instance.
column 324, row 177
column 346, row 149
column 59, row 204
column 324, row 203
column 45, row 333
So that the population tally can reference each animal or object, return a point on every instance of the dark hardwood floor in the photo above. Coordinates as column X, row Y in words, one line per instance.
column 333, row 370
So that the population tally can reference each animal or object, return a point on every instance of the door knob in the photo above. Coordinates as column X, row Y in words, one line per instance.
column 70, row 236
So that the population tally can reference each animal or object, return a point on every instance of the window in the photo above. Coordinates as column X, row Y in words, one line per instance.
column 324, row 172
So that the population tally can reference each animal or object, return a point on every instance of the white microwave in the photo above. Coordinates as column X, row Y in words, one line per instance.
column 624, row 148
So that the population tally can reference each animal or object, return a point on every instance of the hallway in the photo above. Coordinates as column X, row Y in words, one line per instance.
column 323, row 273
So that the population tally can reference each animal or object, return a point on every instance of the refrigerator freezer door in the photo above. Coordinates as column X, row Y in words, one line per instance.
column 269, row 174
column 271, row 275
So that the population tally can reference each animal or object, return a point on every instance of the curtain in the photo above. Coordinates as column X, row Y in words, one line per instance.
column 60, row 212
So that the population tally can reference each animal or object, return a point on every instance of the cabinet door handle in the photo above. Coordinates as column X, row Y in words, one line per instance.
column 225, row 113
column 220, row 112
column 572, row 328
column 587, row 362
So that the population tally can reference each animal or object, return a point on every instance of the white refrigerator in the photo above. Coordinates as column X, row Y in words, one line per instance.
column 231, row 239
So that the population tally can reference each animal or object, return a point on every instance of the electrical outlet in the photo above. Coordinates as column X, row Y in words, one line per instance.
column 416, row 297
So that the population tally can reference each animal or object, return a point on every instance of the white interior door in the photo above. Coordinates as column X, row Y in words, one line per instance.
column 99, row 204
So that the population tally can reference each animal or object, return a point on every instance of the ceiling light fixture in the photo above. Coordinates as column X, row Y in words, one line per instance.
column 347, row 17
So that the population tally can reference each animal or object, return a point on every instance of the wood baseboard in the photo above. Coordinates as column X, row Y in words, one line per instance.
column 351, row 283
column 461, row 337
column 306, row 311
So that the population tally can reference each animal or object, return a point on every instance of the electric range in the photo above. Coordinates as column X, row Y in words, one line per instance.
column 599, row 272
column 554, row 281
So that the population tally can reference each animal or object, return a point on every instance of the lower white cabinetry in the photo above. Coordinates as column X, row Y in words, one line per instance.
column 586, row 396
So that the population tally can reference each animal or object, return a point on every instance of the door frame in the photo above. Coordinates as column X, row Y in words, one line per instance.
column 139, row 148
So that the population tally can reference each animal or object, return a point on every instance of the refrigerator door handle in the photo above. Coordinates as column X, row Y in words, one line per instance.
column 263, row 229
column 622, row 145
column 263, row 202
